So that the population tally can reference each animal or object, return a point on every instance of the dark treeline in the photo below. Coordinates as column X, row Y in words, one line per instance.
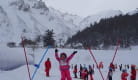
column 108, row 31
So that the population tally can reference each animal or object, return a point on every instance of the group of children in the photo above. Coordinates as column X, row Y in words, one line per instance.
column 124, row 73
column 84, row 72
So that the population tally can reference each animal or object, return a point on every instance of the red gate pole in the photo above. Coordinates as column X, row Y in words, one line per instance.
column 26, row 58
column 118, row 43
column 95, row 62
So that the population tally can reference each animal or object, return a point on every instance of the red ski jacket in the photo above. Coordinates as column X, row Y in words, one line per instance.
column 124, row 76
column 112, row 66
column 47, row 65
column 64, row 64
column 133, row 74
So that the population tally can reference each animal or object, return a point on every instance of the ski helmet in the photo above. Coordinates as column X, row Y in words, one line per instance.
column 63, row 54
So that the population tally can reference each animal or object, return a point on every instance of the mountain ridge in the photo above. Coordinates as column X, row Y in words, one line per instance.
column 31, row 18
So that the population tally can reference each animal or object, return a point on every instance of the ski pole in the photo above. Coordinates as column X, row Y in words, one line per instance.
column 26, row 58
column 118, row 43
column 95, row 62
column 37, row 66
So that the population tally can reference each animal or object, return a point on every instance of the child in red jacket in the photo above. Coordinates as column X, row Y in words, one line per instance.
column 75, row 71
column 133, row 72
column 84, row 73
column 101, row 65
column 47, row 67
column 112, row 66
column 64, row 64
column 124, row 75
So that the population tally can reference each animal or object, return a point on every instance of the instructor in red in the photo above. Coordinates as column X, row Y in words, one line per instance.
column 47, row 66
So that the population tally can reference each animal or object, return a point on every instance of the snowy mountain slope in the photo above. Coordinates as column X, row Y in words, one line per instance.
column 97, row 17
column 133, row 12
column 71, row 19
column 82, row 23
column 31, row 18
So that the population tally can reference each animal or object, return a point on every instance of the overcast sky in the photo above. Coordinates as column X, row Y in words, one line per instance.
column 88, row 7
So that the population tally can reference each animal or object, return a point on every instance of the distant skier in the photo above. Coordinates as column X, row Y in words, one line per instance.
column 91, row 72
column 64, row 64
column 133, row 72
column 120, row 67
column 81, row 68
column 124, row 74
column 84, row 73
column 112, row 66
column 127, row 66
column 75, row 71
column 101, row 65
column 110, row 74
column 47, row 66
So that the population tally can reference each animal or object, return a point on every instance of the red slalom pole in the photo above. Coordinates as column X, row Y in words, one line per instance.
column 26, row 59
column 118, row 43
column 95, row 62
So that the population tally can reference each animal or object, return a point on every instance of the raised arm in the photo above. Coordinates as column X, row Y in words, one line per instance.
column 71, row 56
column 57, row 57
column 56, row 54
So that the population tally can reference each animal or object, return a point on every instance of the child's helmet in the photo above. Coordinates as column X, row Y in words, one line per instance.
column 63, row 54
column 124, row 70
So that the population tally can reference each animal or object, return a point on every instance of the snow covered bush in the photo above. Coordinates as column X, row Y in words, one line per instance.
column 28, row 43
column 40, row 5
column 3, row 18
column 11, row 44
column 21, row 5
column 75, row 45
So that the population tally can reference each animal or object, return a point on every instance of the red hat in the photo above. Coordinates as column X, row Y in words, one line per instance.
column 133, row 66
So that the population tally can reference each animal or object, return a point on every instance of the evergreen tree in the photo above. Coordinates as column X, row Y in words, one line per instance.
column 108, row 31
column 48, row 38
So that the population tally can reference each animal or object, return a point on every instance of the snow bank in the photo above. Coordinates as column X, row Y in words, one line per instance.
column 11, row 58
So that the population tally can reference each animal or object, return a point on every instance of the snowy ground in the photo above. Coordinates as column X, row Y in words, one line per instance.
column 82, row 57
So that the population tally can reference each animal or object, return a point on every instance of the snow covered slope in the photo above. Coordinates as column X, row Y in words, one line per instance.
column 133, row 12
column 31, row 18
column 12, row 58
column 82, row 57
